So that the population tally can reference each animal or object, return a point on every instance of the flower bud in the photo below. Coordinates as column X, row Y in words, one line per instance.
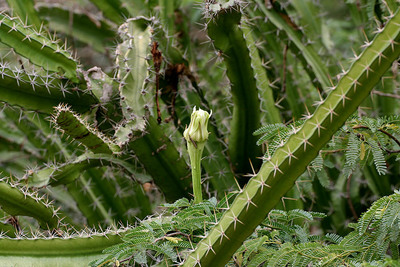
column 197, row 130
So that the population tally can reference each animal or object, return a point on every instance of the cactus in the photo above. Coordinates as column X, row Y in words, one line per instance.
column 69, row 249
column 279, row 174
column 227, row 37
column 37, row 47
column 93, row 136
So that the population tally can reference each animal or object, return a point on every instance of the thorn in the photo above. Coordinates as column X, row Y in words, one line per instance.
column 235, row 220
column 289, row 153
column 305, row 141
column 276, row 168
column 319, row 126
column 331, row 111
column 248, row 201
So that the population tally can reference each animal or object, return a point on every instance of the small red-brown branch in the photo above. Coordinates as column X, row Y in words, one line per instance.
column 387, row 134
column 157, row 60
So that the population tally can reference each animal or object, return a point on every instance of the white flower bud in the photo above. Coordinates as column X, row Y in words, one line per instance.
column 197, row 130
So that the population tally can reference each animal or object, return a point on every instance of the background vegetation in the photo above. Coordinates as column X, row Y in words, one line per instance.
column 95, row 96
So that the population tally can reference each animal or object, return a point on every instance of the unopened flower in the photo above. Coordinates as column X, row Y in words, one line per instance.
column 197, row 131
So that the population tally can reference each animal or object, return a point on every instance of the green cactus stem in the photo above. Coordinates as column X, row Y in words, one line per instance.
column 296, row 36
column 162, row 161
column 133, row 75
column 93, row 31
column 196, row 136
column 25, row 9
column 71, row 123
column 111, row 9
column 265, row 94
column 228, row 38
column 16, row 202
column 279, row 174
column 41, row 93
column 70, row 171
column 38, row 47
column 69, row 250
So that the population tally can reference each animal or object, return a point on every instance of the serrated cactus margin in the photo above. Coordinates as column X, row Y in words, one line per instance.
column 62, row 249
column 133, row 75
column 70, row 171
column 279, row 174
column 41, row 49
column 32, row 91
column 17, row 200
column 72, row 124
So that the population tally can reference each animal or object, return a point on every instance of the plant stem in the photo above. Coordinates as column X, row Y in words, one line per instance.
column 195, row 153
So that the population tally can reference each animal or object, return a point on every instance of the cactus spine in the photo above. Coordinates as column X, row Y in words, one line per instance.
column 278, row 175
column 39, row 49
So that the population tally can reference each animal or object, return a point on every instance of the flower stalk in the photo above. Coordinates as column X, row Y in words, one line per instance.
column 196, row 136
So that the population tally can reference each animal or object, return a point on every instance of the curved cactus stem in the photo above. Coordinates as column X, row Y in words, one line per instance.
column 25, row 9
column 41, row 50
column 228, row 38
column 10, row 131
column 71, row 123
column 33, row 92
column 74, row 250
column 93, row 31
column 70, row 171
column 17, row 202
column 162, row 161
column 265, row 94
column 88, row 202
column 279, row 174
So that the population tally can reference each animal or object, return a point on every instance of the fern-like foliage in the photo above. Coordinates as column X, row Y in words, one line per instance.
column 363, row 140
column 167, row 237
column 373, row 239
column 283, row 239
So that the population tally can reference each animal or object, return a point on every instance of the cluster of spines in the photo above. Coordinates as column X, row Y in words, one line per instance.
column 69, row 233
column 33, row 79
column 28, row 36
column 34, row 204
column 72, row 124
column 211, row 8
